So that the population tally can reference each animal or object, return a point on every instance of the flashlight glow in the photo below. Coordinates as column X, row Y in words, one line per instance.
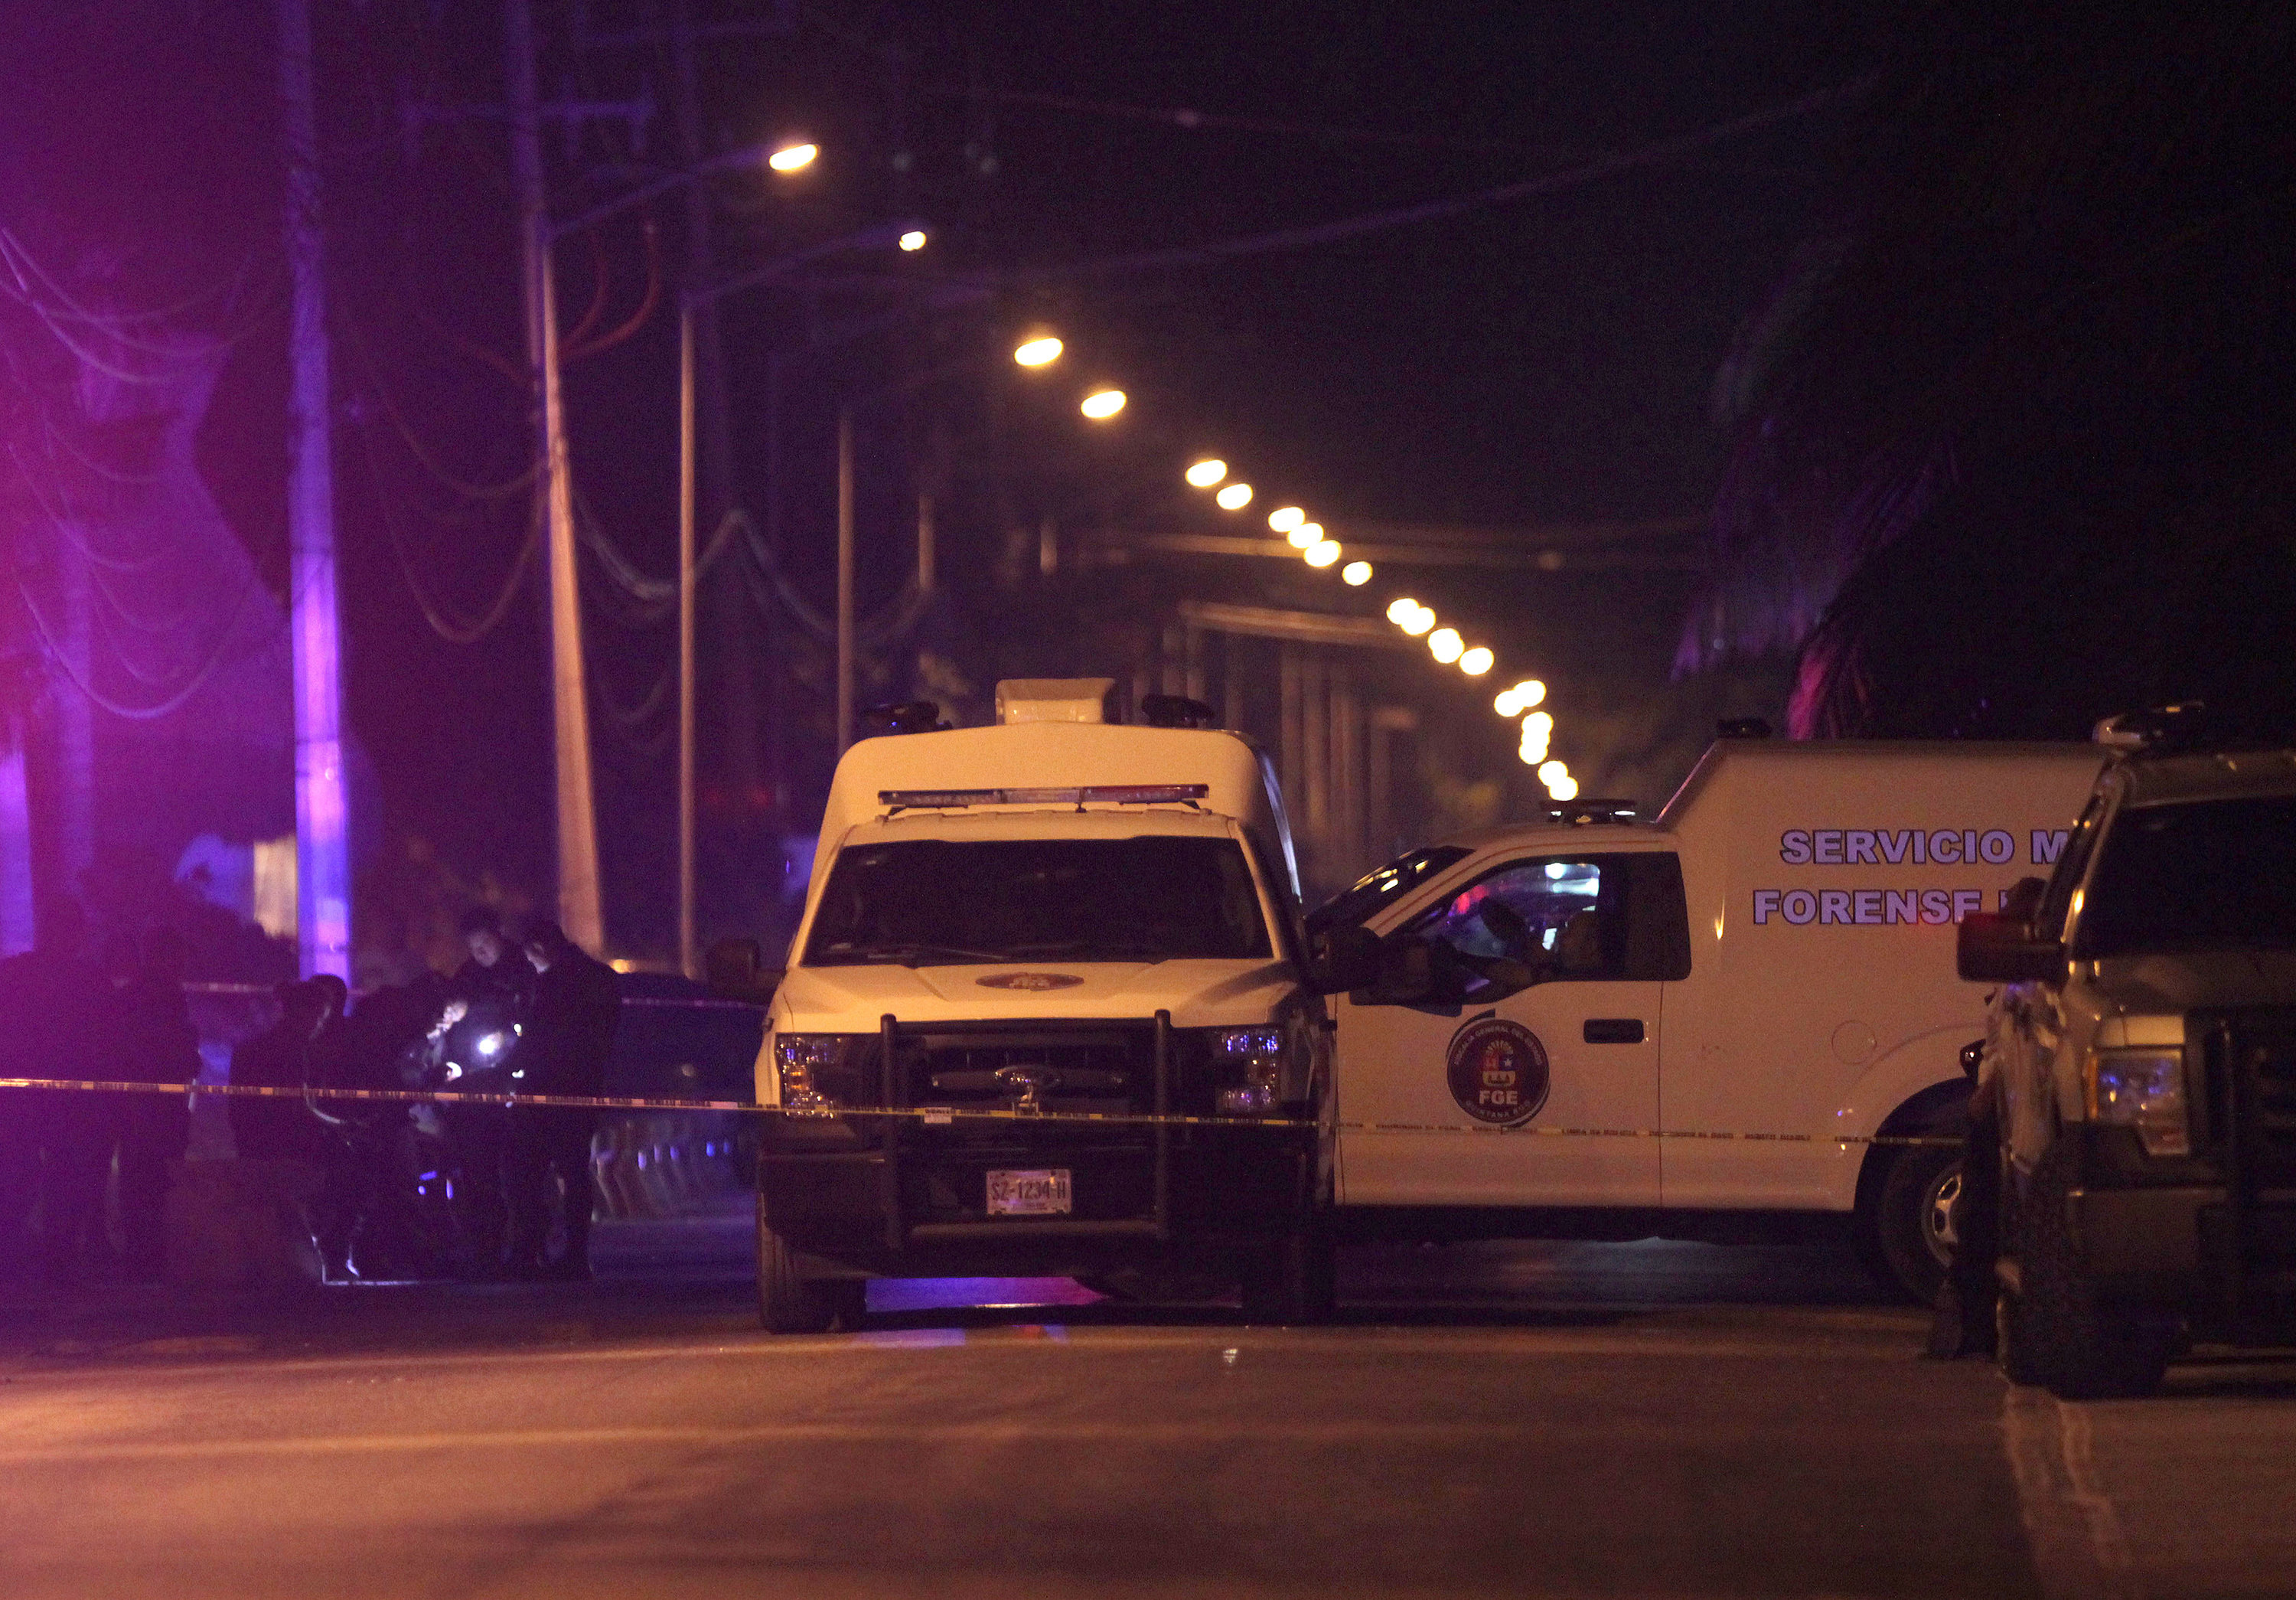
column 1355, row 574
column 789, row 158
column 1206, row 472
column 1477, row 661
column 914, row 239
column 1236, row 496
column 1447, row 645
column 1284, row 519
column 1323, row 552
column 1103, row 403
column 1039, row 352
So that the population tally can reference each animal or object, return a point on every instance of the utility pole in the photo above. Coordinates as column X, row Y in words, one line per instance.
column 323, row 866
column 579, row 906
column 686, row 952
column 844, row 579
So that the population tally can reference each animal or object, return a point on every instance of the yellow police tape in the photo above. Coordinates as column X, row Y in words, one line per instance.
column 934, row 1115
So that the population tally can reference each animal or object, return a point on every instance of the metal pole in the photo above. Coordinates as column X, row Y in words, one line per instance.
column 580, row 910
column 844, row 579
column 323, row 868
column 686, row 958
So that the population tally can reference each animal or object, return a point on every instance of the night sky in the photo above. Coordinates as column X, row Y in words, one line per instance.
column 1544, row 360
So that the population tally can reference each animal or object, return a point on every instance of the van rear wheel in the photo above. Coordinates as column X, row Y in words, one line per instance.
column 1906, row 1210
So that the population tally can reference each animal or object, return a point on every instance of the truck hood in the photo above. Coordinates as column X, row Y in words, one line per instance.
column 2188, row 980
column 1199, row 994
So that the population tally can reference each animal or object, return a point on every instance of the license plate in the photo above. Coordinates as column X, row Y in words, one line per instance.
column 1044, row 1193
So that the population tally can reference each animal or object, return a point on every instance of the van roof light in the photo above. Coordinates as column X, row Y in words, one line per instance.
column 2191, row 725
column 908, row 716
column 1174, row 711
column 1587, row 813
column 1106, row 794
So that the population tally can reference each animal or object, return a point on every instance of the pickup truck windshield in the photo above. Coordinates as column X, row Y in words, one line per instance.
column 946, row 902
column 2204, row 873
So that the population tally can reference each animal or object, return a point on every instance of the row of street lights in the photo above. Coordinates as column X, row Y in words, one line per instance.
column 1447, row 646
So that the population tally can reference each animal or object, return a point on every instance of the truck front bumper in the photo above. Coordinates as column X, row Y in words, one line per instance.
column 2187, row 1249
column 914, row 1202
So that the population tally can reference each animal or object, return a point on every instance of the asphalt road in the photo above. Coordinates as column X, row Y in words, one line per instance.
column 1668, row 1420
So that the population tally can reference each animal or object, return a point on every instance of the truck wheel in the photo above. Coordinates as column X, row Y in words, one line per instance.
column 1292, row 1281
column 786, row 1302
column 1912, row 1219
column 2056, row 1332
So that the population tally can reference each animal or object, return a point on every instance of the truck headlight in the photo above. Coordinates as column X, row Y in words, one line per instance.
column 1251, row 1065
column 803, row 1060
column 2143, row 1089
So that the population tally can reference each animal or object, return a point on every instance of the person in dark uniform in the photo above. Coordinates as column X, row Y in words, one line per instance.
column 578, row 1005
column 279, row 1128
column 158, row 1045
column 494, row 982
column 56, row 1014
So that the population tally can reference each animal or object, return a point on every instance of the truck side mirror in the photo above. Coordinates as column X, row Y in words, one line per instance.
column 735, row 968
column 1405, row 975
column 1997, row 949
column 1346, row 958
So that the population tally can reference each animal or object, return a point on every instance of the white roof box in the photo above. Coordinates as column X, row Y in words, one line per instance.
column 1057, row 699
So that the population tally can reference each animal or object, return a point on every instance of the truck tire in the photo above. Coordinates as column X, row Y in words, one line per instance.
column 1912, row 1219
column 786, row 1302
column 2055, row 1331
column 1292, row 1281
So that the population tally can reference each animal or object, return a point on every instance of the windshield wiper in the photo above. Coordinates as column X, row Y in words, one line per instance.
column 912, row 954
column 1101, row 949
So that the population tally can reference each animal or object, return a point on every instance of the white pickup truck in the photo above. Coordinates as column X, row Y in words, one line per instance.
column 1547, row 1030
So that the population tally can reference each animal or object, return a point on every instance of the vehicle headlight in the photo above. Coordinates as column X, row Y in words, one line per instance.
column 803, row 1060
column 1250, row 1067
column 2143, row 1089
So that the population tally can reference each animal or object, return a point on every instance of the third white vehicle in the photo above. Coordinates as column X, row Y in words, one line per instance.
column 1687, row 1028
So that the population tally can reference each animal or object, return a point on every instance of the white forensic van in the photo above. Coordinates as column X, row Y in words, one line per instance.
column 1058, row 913
column 1771, row 959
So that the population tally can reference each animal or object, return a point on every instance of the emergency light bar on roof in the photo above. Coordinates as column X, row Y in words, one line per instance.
column 1112, row 794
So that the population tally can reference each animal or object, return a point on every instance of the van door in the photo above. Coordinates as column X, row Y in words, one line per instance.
column 1543, row 1018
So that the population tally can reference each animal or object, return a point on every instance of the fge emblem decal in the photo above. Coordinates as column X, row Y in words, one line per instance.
column 1498, row 1072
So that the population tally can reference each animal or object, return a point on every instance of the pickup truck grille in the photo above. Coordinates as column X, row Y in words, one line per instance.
column 2251, row 1059
column 1109, row 1068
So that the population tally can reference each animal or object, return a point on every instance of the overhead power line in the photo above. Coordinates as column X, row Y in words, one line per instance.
column 1217, row 250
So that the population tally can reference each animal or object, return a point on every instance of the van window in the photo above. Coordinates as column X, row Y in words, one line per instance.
column 1561, row 919
column 930, row 902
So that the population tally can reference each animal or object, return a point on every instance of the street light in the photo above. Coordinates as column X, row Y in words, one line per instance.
column 1236, row 496
column 1447, row 645
column 1041, row 351
column 1477, row 661
column 1103, row 403
column 789, row 158
column 913, row 240
column 1355, row 574
column 1323, row 552
column 1206, row 472
column 1285, row 519
column 1515, row 702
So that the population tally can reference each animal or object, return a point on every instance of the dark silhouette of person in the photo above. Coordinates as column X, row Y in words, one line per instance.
column 159, row 1045
column 578, row 1005
column 495, row 986
column 279, row 1127
column 367, row 1226
column 56, row 1012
